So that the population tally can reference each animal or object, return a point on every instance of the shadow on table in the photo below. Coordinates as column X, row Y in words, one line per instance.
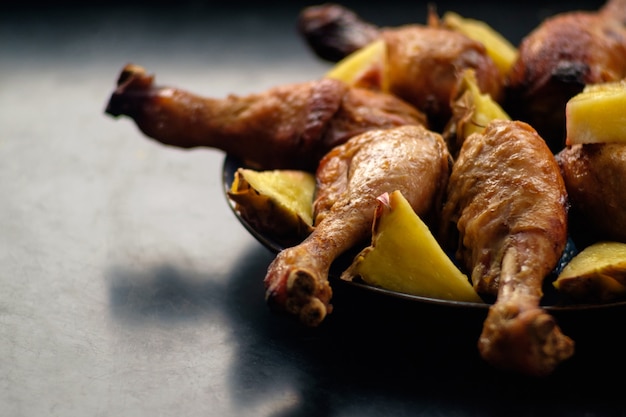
column 375, row 354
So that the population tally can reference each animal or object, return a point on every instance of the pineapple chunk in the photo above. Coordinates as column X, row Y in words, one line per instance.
column 405, row 257
column 277, row 202
column 471, row 111
column 597, row 114
column 501, row 51
column 481, row 109
column 363, row 68
column 598, row 273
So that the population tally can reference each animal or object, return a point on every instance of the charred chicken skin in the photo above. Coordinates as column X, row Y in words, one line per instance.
column 286, row 127
column 558, row 59
column 508, row 202
column 594, row 177
column 423, row 62
column 350, row 177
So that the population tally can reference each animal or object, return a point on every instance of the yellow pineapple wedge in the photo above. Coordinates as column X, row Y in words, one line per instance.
column 596, row 115
column 275, row 202
column 480, row 109
column 405, row 257
column 363, row 68
column 471, row 111
column 596, row 274
column 501, row 51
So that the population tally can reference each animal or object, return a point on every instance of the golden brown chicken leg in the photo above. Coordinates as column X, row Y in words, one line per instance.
column 350, row 178
column 290, row 126
column 561, row 56
column 423, row 62
column 508, row 202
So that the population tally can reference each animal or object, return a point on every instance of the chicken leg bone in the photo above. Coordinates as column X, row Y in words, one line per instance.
column 518, row 335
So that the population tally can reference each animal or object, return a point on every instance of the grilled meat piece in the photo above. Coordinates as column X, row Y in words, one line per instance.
column 286, row 127
column 594, row 177
column 425, row 65
column 350, row 177
column 423, row 62
column 561, row 56
column 509, row 204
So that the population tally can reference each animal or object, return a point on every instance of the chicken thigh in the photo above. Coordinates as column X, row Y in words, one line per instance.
column 594, row 177
column 561, row 56
column 411, row 159
column 508, row 202
column 286, row 127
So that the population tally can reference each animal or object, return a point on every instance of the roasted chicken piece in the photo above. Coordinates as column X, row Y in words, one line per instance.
column 286, row 127
column 350, row 177
column 508, row 202
column 422, row 63
column 561, row 56
column 594, row 177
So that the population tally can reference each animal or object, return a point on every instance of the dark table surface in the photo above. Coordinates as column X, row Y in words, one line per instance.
column 128, row 288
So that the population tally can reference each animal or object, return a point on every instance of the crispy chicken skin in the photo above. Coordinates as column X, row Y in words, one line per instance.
column 594, row 177
column 424, row 62
column 411, row 159
column 561, row 56
column 286, row 127
column 508, row 202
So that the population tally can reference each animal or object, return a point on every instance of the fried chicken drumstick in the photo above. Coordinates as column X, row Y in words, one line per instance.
column 423, row 62
column 561, row 56
column 508, row 202
column 350, row 178
column 286, row 127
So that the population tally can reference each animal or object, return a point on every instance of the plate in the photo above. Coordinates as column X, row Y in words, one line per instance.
column 549, row 302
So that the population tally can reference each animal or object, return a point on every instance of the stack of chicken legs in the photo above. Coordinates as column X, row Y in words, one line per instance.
column 502, row 203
